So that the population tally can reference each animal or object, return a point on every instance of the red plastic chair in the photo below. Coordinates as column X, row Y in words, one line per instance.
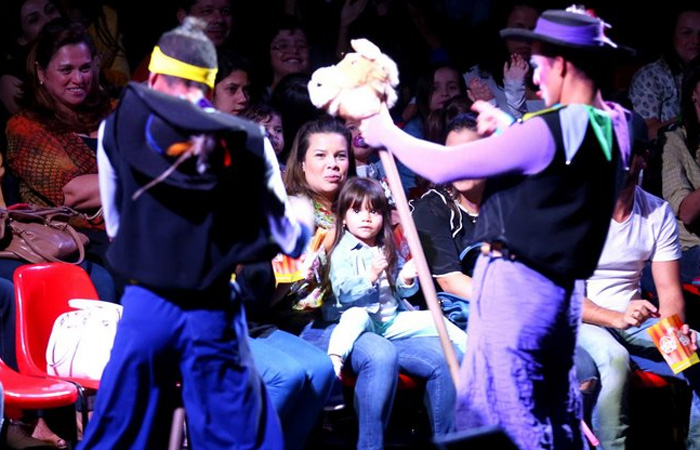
column 24, row 392
column 42, row 292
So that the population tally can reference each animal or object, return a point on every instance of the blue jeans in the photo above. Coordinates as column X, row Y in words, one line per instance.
column 298, row 377
column 690, row 264
column 376, row 361
column 612, row 350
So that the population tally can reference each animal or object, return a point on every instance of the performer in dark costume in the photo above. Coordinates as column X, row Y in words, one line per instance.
column 552, row 183
column 188, row 193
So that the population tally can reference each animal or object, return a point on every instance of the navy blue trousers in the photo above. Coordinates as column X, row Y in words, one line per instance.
column 159, row 342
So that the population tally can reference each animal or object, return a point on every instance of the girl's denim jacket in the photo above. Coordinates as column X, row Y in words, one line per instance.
column 350, row 262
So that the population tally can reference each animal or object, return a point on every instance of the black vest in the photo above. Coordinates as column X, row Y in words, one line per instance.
column 555, row 221
column 188, row 232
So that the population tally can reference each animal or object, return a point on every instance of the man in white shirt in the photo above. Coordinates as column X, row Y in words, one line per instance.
column 616, row 318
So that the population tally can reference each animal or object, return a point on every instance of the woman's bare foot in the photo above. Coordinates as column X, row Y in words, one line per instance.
column 18, row 437
column 43, row 433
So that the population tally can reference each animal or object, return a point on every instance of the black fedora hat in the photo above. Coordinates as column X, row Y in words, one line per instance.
column 572, row 28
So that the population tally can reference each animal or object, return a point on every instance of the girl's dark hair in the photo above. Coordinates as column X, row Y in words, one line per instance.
column 435, row 126
column 260, row 112
column 37, row 101
column 424, row 86
column 689, row 116
column 294, row 177
column 354, row 194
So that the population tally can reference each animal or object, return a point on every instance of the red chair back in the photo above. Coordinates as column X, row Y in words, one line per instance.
column 42, row 292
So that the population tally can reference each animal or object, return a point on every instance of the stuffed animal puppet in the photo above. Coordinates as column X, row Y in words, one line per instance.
column 356, row 87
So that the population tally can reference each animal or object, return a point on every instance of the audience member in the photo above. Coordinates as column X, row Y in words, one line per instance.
column 445, row 219
column 52, row 141
column 232, row 91
column 681, row 172
column 320, row 161
column 103, row 23
column 503, row 74
column 435, row 87
column 288, row 51
column 655, row 89
column 26, row 19
column 291, row 99
column 217, row 15
column 270, row 118
column 615, row 317
column 370, row 278
column 189, row 327
column 536, row 173
column 298, row 376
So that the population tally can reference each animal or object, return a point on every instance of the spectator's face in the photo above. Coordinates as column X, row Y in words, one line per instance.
column 445, row 86
column 231, row 94
column 34, row 14
column 364, row 222
column 686, row 37
column 326, row 164
column 458, row 137
column 217, row 14
column 361, row 150
column 68, row 76
column 289, row 53
column 524, row 17
column 275, row 132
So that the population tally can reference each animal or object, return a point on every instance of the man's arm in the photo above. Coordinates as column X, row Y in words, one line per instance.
column 456, row 283
column 637, row 312
column 667, row 280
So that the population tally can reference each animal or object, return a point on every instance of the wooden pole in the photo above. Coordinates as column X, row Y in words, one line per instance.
column 424, row 276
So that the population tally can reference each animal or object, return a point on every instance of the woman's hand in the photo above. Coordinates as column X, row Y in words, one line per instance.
column 82, row 192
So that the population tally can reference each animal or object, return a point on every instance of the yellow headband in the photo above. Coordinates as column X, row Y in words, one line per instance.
column 162, row 63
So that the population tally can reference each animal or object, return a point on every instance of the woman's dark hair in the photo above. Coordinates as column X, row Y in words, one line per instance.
column 294, row 177
column 689, row 116
column 229, row 61
column 37, row 101
column 356, row 192
column 668, row 51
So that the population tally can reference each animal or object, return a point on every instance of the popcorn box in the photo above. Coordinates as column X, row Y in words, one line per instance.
column 673, row 345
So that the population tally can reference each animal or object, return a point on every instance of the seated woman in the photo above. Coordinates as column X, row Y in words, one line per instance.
column 52, row 141
column 445, row 219
column 319, row 163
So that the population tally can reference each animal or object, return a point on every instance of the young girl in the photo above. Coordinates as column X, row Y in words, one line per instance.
column 369, row 278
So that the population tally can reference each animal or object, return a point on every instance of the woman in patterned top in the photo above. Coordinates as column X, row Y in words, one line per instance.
column 52, row 140
column 655, row 89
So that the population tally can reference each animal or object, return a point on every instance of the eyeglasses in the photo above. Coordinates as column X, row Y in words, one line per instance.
column 287, row 47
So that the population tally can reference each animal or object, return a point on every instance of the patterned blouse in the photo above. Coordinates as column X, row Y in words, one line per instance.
column 680, row 176
column 45, row 162
column 655, row 92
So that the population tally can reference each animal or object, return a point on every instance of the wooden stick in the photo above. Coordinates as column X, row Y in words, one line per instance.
column 424, row 276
